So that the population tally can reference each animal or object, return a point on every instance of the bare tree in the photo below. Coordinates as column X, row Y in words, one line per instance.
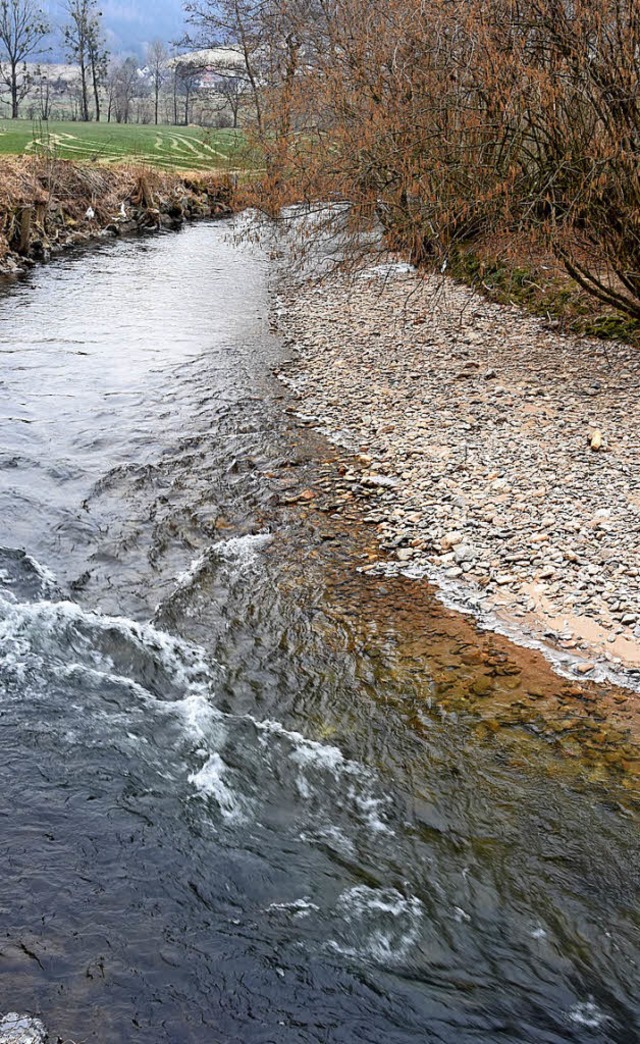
column 22, row 31
column 123, row 86
column 229, row 88
column 84, row 40
column 243, row 24
column 98, row 61
column 45, row 91
column 158, row 66
column 232, row 92
column 111, row 86
column 188, row 78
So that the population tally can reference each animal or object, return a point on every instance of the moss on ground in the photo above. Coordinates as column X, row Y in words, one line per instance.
column 545, row 291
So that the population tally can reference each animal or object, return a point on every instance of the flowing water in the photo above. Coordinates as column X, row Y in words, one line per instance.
column 227, row 814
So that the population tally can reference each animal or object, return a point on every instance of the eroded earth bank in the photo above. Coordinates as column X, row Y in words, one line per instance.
column 48, row 205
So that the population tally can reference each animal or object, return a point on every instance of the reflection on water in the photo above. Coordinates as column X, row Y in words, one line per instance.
column 248, row 794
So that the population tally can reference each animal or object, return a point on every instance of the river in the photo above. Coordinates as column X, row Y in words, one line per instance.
column 228, row 812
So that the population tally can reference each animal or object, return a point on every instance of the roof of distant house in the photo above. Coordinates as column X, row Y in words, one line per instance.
column 212, row 58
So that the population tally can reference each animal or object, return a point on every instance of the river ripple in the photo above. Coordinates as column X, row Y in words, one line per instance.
column 236, row 805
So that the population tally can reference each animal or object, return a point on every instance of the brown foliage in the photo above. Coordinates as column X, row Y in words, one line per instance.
column 450, row 119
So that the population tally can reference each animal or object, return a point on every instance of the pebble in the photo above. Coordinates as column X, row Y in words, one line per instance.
column 585, row 668
column 494, row 482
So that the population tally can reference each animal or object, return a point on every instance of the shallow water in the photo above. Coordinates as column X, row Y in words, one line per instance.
column 228, row 812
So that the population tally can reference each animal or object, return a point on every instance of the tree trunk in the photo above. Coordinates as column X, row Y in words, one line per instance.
column 85, row 93
column 96, row 92
column 14, row 92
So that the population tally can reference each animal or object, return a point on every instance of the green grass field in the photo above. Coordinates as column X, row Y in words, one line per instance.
column 168, row 147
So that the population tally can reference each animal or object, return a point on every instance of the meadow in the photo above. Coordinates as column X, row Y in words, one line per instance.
column 166, row 147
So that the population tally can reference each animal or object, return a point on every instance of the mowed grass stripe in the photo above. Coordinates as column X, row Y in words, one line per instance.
column 167, row 147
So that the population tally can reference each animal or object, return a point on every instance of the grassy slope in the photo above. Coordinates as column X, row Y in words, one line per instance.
column 166, row 147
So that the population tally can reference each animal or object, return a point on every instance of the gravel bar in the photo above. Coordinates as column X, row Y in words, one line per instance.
column 499, row 456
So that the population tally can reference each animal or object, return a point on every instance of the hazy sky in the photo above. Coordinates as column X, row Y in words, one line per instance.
column 137, row 23
column 130, row 25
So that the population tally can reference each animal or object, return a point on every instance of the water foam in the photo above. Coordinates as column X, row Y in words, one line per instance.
column 311, row 756
column 242, row 549
column 242, row 552
column 210, row 782
column 298, row 908
column 201, row 719
column 35, row 636
column 306, row 752
column 21, row 1029
column 379, row 924
column 587, row 1014
column 255, row 777
column 98, row 653
column 22, row 576
column 49, row 580
column 333, row 838
column 186, row 579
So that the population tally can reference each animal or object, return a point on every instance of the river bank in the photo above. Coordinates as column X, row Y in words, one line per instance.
column 50, row 205
column 498, row 456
